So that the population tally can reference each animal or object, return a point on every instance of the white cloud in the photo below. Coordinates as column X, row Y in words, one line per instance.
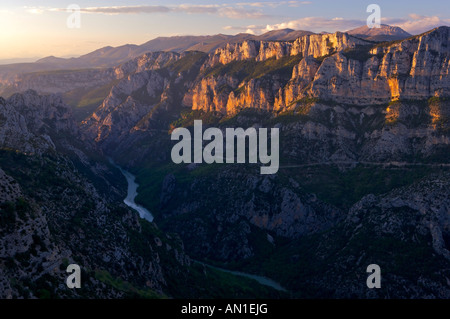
column 417, row 24
column 231, row 12
column 274, row 4
column 34, row 10
column 238, row 13
column 414, row 24
column 317, row 24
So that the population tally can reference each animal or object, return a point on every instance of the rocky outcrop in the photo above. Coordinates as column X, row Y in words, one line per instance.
column 10, row 188
column 316, row 45
column 355, row 73
column 118, row 115
column 405, row 232
column 413, row 69
column 60, row 206
column 29, row 121
column 256, row 202
column 62, row 81
column 426, row 202
column 148, row 92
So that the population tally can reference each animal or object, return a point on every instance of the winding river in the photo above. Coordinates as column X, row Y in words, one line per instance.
column 145, row 214
column 132, row 193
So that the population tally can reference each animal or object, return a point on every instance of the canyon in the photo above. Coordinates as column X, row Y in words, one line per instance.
column 363, row 172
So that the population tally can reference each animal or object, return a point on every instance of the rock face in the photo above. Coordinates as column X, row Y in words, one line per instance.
column 415, row 216
column 59, row 206
column 60, row 82
column 275, row 77
column 405, row 232
column 415, row 69
column 69, row 80
column 28, row 120
column 384, row 33
column 349, row 71
column 142, row 101
column 315, row 45
column 426, row 208
column 225, row 231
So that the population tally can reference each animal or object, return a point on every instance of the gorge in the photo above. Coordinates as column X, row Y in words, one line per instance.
column 362, row 175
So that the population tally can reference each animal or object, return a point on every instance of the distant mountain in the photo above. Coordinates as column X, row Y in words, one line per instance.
column 18, row 60
column 282, row 35
column 113, row 56
column 108, row 57
column 384, row 33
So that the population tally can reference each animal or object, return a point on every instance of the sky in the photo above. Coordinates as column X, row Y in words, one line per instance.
column 35, row 29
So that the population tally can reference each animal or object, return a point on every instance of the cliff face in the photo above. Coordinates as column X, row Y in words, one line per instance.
column 226, row 231
column 415, row 69
column 62, row 81
column 28, row 122
column 58, row 206
column 384, row 102
column 315, row 45
column 335, row 67
column 154, row 86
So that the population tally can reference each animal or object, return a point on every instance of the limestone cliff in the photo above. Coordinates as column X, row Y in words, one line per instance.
column 335, row 67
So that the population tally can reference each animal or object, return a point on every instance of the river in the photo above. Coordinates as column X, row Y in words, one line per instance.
column 145, row 214
column 132, row 193
column 260, row 279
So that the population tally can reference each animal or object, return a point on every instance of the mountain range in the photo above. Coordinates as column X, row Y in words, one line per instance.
column 113, row 56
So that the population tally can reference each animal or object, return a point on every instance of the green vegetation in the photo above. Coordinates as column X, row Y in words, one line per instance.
column 360, row 53
column 188, row 116
column 129, row 289
column 323, row 57
column 85, row 100
column 344, row 188
column 187, row 63
column 206, row 282
column 251, row 69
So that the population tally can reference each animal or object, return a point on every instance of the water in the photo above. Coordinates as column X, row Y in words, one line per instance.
column 145, row 214
column 260, row 279
column 132, row 193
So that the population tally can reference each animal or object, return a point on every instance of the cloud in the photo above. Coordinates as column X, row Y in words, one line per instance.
column 316, row 24
column 414, row 24
column 125, row 9
column 34, row 10
column 273, row 4
column 252, row 29
column 238, row 13
column 231, row 12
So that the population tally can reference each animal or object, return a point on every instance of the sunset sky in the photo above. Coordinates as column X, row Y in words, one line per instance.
column 33, row 29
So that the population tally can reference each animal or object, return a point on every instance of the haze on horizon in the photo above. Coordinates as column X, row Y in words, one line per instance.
column 35, row 29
